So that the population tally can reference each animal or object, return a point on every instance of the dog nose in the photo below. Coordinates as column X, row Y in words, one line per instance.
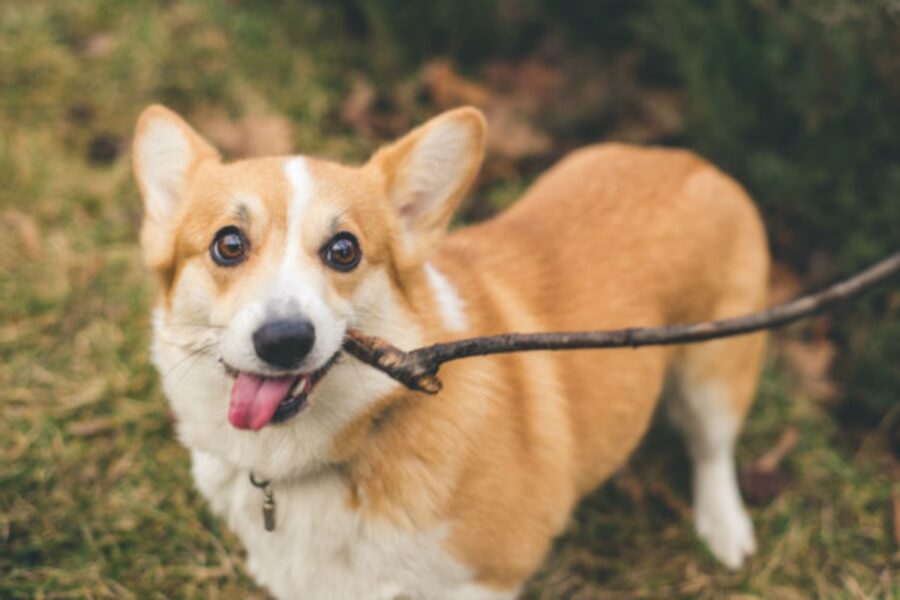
column 283, row 343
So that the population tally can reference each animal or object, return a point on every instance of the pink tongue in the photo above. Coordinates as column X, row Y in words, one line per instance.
column 255, row 399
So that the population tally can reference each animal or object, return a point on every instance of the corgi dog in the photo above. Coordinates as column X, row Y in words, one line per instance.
column 363, row 489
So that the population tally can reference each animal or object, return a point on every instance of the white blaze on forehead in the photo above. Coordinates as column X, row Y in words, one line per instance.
column 301, row 186
column 450, row 304
column 299, row 287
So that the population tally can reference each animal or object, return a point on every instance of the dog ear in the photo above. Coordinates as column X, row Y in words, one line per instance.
column 427, row 172
column 165, row 154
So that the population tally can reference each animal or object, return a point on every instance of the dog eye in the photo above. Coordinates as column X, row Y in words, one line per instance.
column 228, row 247
column 342, row 252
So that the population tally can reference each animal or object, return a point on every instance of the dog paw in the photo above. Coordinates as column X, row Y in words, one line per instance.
column 727, row 532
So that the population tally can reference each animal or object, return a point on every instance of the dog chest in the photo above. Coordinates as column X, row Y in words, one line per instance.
column 321, row 548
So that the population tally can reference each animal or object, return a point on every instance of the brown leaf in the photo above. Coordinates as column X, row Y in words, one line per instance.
column 535, row 84
column 99, row 45
column 26, row 230
column 694, row 580
column 652, row 116
column 253, row 135
column 511, row 135
column 893, row 304
column 627, row 483
column 356, row 110
column 765, row 479
column 121, row 467
column 663, row 110
column 772, row 459
column 91, row 427
column 810, row 362
column 784, row 285
column 448, row 89
column 761, row 487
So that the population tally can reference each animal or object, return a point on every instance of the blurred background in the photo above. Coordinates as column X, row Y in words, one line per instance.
column 798, row 99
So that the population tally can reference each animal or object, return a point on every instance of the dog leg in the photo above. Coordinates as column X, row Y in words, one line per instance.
column 716, row 384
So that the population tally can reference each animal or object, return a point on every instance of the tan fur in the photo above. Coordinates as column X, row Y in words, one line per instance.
column 613, row 236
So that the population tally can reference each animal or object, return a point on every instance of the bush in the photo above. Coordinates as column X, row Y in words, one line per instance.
column 797, row 100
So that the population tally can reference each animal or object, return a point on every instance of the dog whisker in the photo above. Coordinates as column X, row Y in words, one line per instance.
column 196, row 354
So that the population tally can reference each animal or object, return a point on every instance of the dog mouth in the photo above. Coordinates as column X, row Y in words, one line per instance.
column 260, row 400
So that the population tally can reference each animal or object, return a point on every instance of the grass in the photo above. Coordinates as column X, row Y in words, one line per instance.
column 95, row 492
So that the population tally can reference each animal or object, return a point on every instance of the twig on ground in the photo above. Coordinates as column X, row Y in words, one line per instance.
column 771, row 460
column 417, row 369
column 766, row 478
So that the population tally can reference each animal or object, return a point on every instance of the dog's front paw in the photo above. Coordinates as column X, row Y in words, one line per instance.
column 727, row 530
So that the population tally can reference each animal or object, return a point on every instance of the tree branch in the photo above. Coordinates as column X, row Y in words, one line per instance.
column 418, row 369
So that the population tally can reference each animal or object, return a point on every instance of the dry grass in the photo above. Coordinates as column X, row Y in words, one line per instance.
column 95, row 493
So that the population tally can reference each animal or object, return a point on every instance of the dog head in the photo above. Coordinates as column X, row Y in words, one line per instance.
column 263, row 266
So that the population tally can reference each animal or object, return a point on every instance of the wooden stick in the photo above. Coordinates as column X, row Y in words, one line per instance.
column 417, row 369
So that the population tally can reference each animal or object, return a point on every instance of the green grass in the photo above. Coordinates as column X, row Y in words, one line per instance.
column 96, row 497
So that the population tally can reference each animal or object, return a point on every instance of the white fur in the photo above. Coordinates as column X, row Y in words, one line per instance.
column 719, row 515
column 435, row 168
column 302, row 189
column 323, row 549
column 703, row 413
column 450, row 304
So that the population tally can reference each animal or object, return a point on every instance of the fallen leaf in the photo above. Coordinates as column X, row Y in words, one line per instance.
column 87, row 393
column 772, row 459
column 765, row 479
column 629, row 484
column 852, row 585
column 694, row 580
column 91, row 427
column 98, row 46
column 893, row 304
column 124, row 465
column 663, row 110
column 511, row 135
column 652, row 115
column 448, row 89
column 532, row 82
column 356, row 110
column 253, row 135
column 810, row 362
column 26, row 230
column 761, row 487
column 784, row 284
column 125, row 524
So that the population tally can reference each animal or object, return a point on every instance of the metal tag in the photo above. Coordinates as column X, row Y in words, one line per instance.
column 268, row 508
column 268, row 511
